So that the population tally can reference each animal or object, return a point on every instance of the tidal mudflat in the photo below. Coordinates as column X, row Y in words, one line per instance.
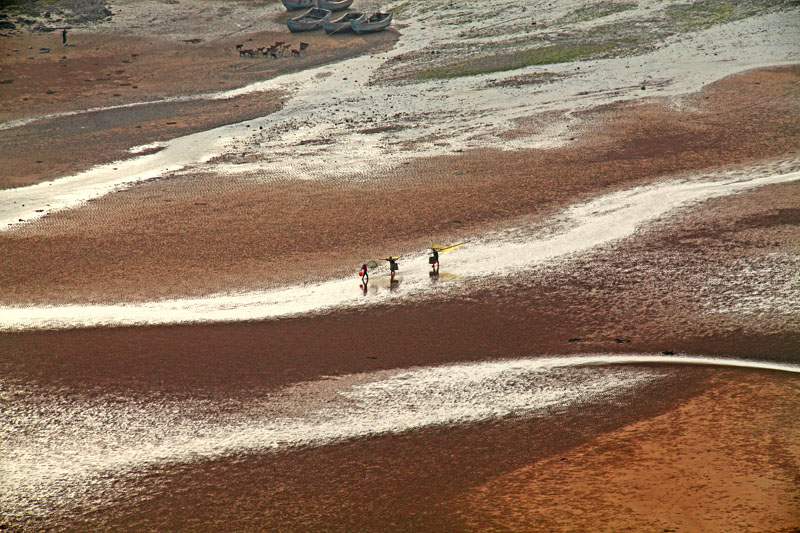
column 184, row 341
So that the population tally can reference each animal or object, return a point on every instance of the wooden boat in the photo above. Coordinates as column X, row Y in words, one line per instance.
column 293, row 5
column 334, row 5
column 342, row 24
column 376, row 22
column 310, row 20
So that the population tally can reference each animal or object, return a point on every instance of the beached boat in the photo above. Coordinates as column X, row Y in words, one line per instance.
column 376, row 22
column 293, row 5
column 334, row 5
column 342, row 24
column 310, row 20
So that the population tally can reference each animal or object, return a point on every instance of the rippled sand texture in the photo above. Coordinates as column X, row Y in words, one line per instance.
column 45, row 467
column 586, row 226
column 686, row 470
column 290, row 232
column 64, row 452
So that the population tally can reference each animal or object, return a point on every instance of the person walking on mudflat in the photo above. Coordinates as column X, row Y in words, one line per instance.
column 392, row 266
column 434, row 259
column 363, row 273
column 437, row 249
column 64, row 36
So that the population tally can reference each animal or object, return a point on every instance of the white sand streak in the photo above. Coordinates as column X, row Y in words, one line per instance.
column 578, row 229
column 74, row 190
column 57, row 448
column 335, row 115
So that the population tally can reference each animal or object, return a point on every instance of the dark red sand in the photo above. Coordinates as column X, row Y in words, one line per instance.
column 423, row 480
column 196, row 235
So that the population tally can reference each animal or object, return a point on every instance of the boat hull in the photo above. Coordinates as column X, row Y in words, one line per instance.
column 310, row 21
column 369, row 27
column 340, row 25
column 293, row 5
column 334, row 5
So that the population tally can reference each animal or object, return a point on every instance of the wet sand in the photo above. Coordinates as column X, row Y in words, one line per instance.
column 98, row 71
column 412, row 481
column 703, row 449
column 299, row 231
column 598, row 304
column 45, row 150
column 641, row 295
column 106, row 67
column 727, row 459
column 647, row 448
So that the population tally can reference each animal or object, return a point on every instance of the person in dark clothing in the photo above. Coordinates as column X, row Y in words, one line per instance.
column 392, row 266
column 434, row 259
column 64, row 36
column 363, row 273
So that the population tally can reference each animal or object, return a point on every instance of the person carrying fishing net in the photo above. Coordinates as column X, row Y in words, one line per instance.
column 392, row 266
column 433, row 259
column 437, row 249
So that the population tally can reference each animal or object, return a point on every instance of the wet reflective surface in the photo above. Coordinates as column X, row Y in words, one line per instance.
column 62, row 450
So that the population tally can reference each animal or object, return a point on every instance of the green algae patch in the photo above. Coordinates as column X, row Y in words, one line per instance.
column 691, row 17
column 545, row 55
column 697, row 16
column 597, row 11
